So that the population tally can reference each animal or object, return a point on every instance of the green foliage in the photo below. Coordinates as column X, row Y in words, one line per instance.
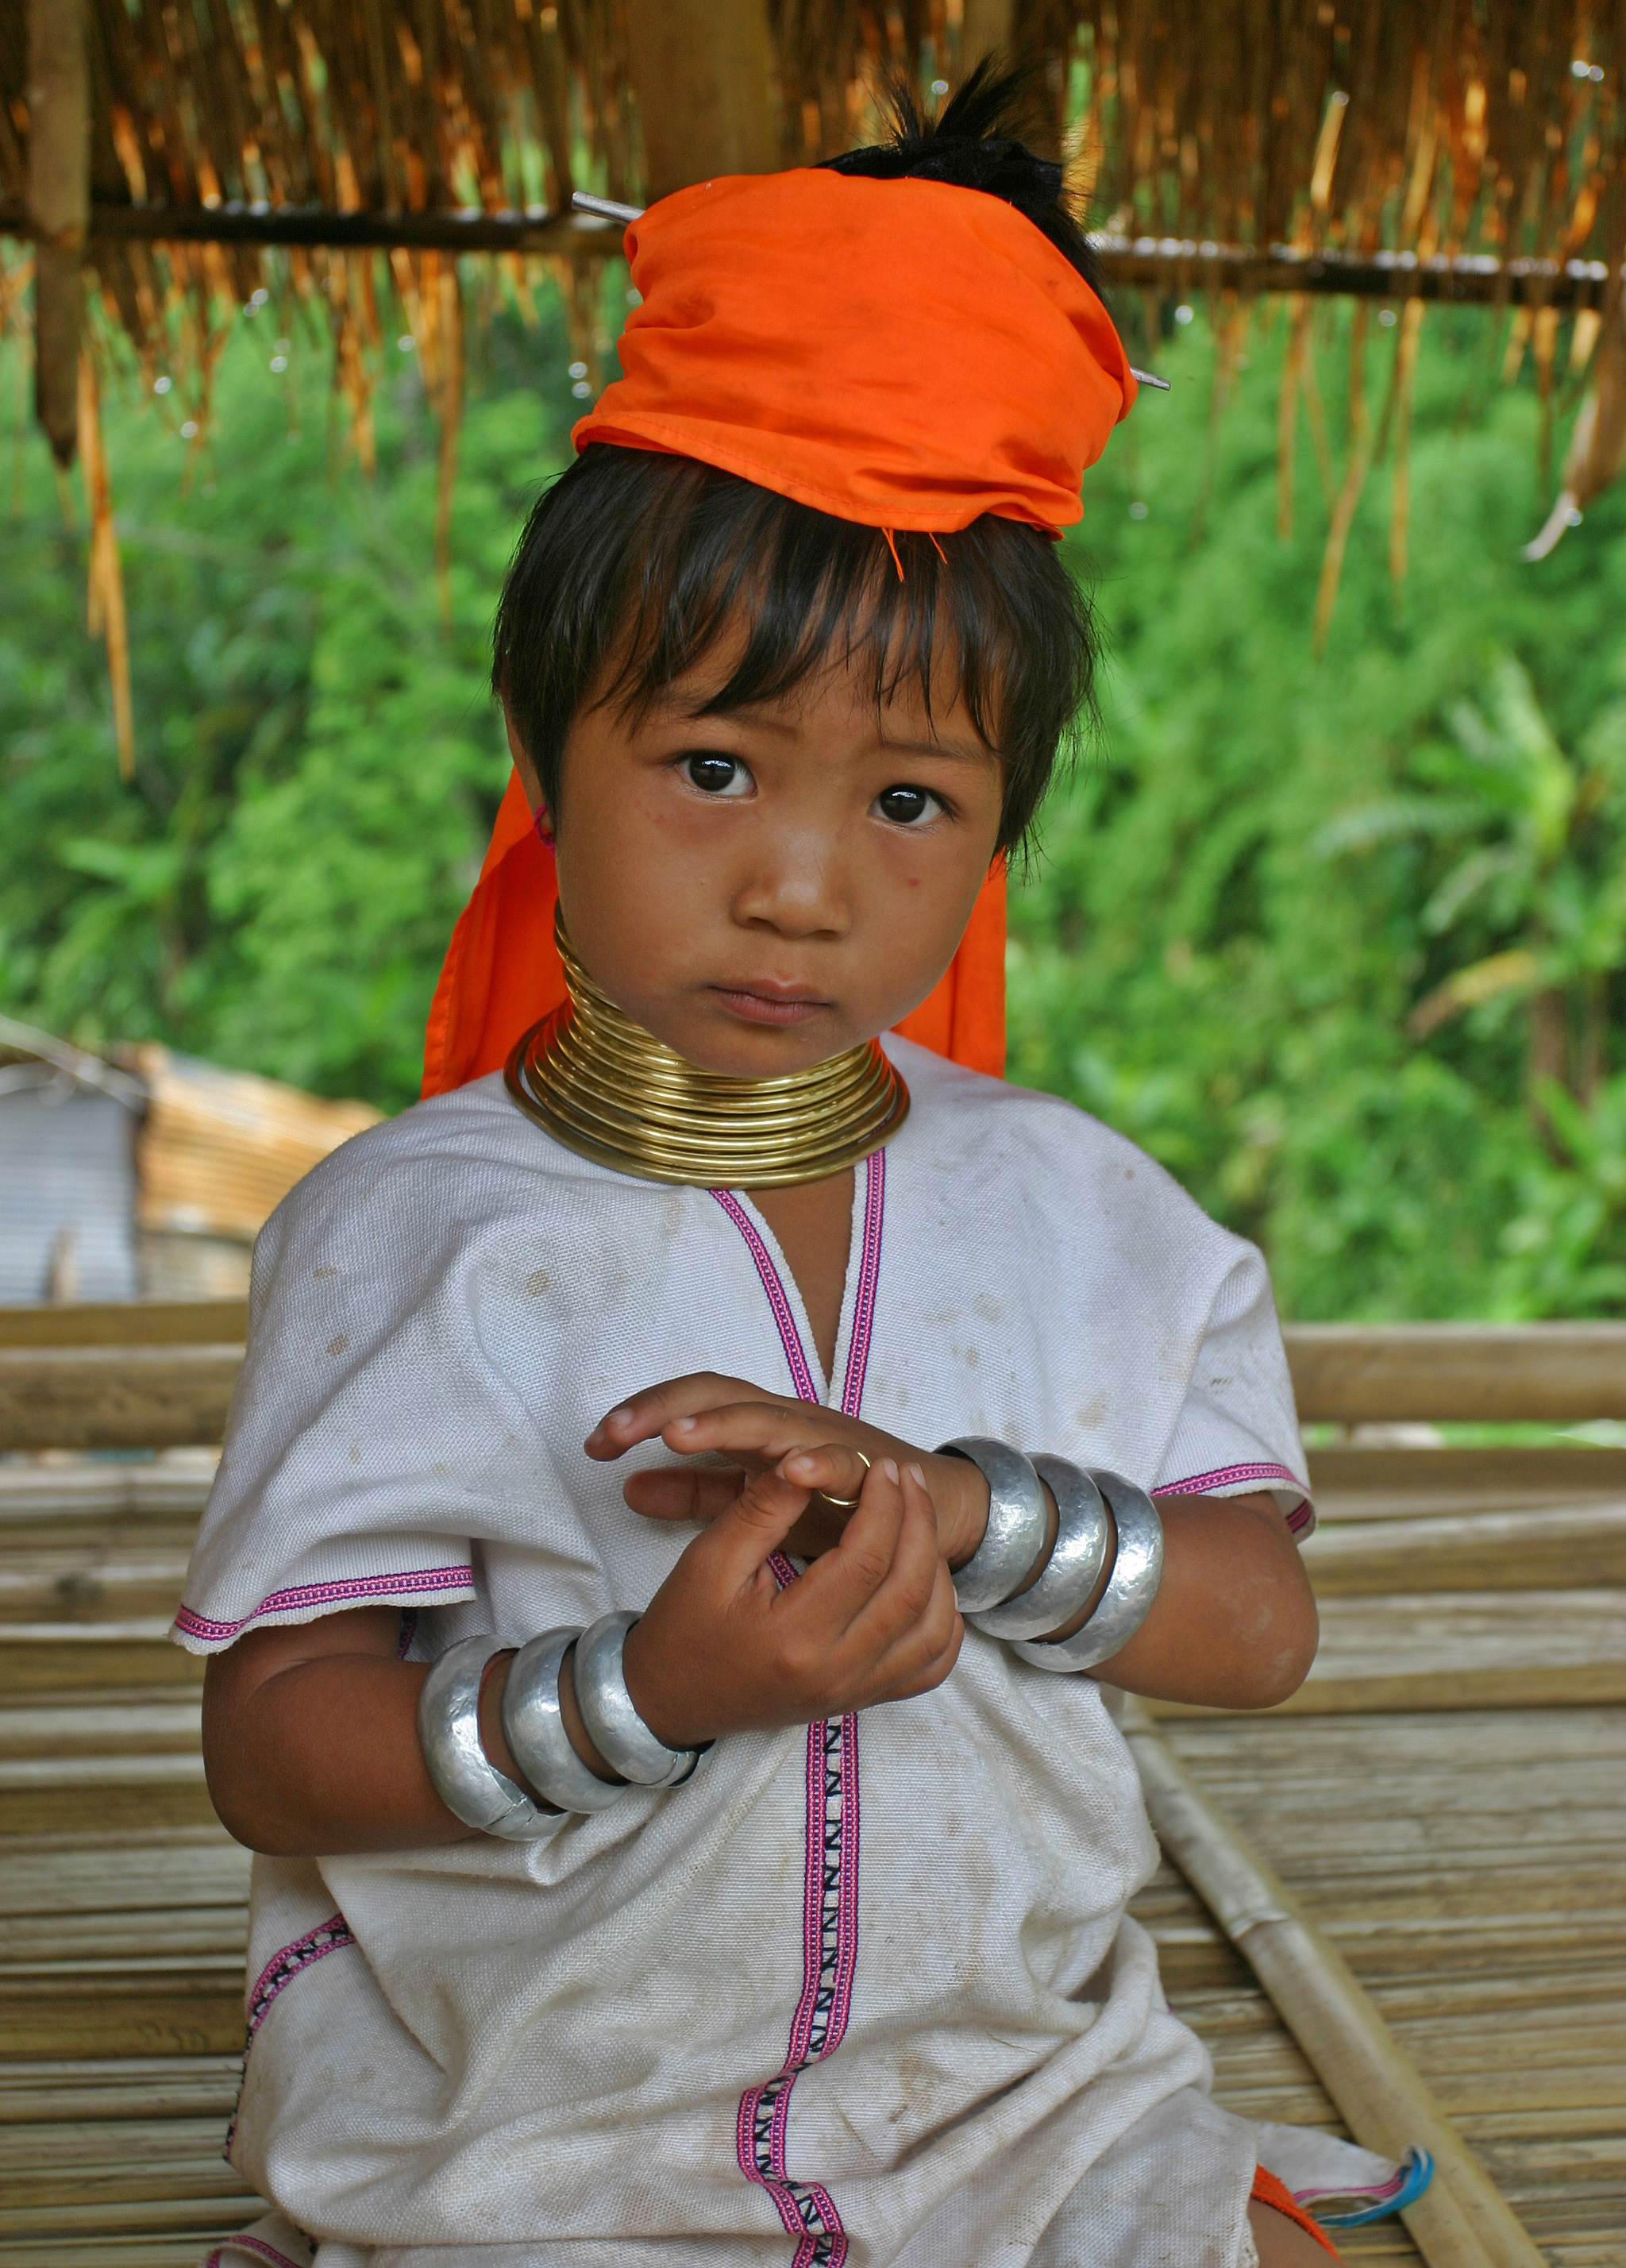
column 318, row 764
column 1303, row 922
column 1339, row 940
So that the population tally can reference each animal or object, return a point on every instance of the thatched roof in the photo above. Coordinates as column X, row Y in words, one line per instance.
column 185, row 155
column 1491, row 128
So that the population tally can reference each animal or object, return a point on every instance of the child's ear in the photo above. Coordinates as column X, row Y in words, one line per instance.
column 525, row 769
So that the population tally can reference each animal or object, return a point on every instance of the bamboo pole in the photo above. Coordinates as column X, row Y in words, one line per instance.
column 703, row 75
column 1462, row 2220
column 59, row 199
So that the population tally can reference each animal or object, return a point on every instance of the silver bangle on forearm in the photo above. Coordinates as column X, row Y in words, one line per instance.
column 533, row 1724
column 1017, row 1521
column 465, row 1778
column 613, row 1725
column 1074, row 1567
column 1131, row 1588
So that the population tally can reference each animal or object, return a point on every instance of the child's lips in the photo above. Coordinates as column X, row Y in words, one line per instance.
column 771, row 1004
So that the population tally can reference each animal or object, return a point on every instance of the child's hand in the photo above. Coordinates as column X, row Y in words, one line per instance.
column 722, row 1649
column 758, row 1432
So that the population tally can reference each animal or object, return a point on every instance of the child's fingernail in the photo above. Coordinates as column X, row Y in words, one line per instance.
column 684, row 1424
column 889, row 1468
column 918, row 1475
column 616, row 1416
column 801, row 1460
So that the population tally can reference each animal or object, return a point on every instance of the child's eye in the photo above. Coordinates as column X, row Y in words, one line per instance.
column 907, row 807
column 715, row 775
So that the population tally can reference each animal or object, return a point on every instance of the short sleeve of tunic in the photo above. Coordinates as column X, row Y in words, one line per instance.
column 1237, row 1430
column 363, row 1437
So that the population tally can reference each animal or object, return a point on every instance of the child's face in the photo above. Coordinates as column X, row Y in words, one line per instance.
column 763, row 889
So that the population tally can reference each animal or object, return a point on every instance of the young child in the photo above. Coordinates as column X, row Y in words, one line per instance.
column 799, row 1933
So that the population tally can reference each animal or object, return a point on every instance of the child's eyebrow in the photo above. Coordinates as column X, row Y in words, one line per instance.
column 957, row 751
column 760, row 717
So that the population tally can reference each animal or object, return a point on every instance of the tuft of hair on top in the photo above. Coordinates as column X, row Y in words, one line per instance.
column 635, row 568
column 976, row 143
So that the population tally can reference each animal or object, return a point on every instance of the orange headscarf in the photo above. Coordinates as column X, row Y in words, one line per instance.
column 902, row 354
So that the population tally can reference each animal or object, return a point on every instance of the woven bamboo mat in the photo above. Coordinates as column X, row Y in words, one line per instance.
column 1464, row 1858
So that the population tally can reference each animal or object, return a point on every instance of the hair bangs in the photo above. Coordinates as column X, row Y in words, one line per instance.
column 796, row 595
column 636, row 569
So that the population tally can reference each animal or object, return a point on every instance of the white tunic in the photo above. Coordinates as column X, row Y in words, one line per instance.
column 864, row 1991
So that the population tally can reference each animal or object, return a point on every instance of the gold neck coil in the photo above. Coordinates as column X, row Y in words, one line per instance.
column 612, row 1092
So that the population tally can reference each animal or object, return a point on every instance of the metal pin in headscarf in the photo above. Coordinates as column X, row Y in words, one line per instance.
column 607, row 209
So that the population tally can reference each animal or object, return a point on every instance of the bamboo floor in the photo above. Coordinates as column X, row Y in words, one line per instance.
column 1446, row 1796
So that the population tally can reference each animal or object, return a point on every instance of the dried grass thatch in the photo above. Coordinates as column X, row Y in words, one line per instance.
column 1448, row 148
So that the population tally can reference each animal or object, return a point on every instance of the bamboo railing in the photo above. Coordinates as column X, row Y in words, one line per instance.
column 151, row 1376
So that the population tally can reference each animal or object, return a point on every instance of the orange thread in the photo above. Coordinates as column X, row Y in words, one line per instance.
column 892, row 547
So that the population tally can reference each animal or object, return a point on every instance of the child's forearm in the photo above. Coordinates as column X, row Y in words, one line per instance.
column 324, row 1758
column 1233, row 1626
column 310, row 1741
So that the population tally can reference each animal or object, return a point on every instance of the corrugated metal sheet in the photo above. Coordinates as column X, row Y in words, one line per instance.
column 67, row 1190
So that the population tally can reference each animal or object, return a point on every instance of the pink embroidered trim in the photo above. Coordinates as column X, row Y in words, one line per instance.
column 789, row 1337
column 330, row 1936
column 356, row 1590
column 1232, row 1476
column 869, row 1277
column 830, row 1952
column 830, row 1886
column 245, row 2244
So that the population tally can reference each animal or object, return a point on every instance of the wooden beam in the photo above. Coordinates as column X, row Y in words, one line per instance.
column 140, row 1377
column 1552, row 1374
column 1557, row 1548
column 1161, row 264
column 59, row 209
column 1351, row 1483
column 115, row 1397
column 534, row 230
column 128, row 1322
column 1468, row 279
column 703, row 70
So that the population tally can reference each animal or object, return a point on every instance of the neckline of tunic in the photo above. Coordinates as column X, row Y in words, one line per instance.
column 858, row 1286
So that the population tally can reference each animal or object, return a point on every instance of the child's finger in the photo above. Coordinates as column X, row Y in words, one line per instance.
column 911, row 1581
column 644, row 1414
column 837, row 1473
column 899, row 1679
column 841, row 1584
column 696, row 1492
column 750, row 1428
column 740, row 1539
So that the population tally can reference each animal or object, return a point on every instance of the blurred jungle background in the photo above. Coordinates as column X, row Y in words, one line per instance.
column 1330, row 914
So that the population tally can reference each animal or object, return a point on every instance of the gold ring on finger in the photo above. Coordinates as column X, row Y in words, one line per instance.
column 848, row 1503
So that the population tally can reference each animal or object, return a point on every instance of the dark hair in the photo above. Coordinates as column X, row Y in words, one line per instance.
column 635, row 564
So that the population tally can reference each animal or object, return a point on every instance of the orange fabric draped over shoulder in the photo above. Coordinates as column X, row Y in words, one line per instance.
column 501, row 972
column 902, row 354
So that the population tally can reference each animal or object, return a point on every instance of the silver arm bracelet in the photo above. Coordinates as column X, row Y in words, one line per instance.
column 1136, row 1571
column 1074, row 1567
column 466, row 1780
column 1018, row 1517
column 613, row 1725
column 534, row 1725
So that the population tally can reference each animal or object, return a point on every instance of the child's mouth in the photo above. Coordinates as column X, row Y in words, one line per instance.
column 771, row 1004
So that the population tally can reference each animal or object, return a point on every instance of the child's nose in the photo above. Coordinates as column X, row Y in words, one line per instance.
column 800, row 891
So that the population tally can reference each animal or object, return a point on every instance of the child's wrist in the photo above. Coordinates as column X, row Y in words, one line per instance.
column 653, row 1705
column 494, row 1739
column 959, row 1494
